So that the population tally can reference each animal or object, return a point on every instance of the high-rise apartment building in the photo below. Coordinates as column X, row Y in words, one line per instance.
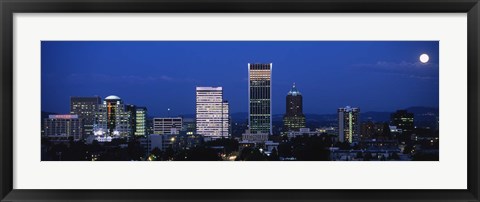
column 294, row 118
column 260, row 98
column 212, row 113
column 85, row 108
column 348, row 124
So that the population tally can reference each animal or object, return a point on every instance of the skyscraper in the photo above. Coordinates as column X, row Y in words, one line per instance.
column 85, row 108
column 294, row 118
column 212, row 113
column 112, row 119
column 348, row 124
column 403, row 120
column 259, row 98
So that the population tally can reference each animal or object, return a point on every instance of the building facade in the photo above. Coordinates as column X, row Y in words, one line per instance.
column 348, row 124
column 256, row 138
column 294, row 118
column 85, row 108
column 212, row 113
column 167, row 126
column 63, row 127
column 140, row 121
column 132, row 111
column 113, row 119
column 260, row 98
column 403, row 120
column 189, row 126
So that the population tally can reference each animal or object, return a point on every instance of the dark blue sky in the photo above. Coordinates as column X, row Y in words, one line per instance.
column 373, row 75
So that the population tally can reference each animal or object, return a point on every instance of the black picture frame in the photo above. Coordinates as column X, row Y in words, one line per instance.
column 9, row 7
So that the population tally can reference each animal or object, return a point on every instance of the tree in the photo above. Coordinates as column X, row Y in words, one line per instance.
column 394, row 156
column 423, row 156
column 368, row 156
column 408, row 149
column 256, row 155
column 285, row 150
column 202, row 154
column 251, row 154
column 359, row 155
column 135, row 150
column 155, row 155
column 168, row 154
column 274, row 155
column 310, row 148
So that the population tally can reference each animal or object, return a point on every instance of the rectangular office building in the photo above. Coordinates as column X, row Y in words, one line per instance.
column 63, row 127
column 259, row 98
column 167, row 126
column 212, row 113
column 85, row 108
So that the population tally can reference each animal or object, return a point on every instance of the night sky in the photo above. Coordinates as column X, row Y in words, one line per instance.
column 373, row 75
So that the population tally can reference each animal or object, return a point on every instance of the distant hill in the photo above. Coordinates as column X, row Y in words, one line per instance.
column 424, row 117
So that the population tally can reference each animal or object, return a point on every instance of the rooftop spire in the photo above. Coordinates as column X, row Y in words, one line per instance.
column 294, row 91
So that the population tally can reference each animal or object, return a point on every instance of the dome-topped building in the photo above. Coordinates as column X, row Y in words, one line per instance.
column 294, row 118
column 113, row 119
column 112, row 97
column 294, row 91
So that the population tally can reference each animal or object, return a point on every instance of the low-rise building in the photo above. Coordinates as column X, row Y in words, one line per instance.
column 63, row 127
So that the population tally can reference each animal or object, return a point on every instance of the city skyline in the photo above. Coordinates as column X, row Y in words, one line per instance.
column 406, row 81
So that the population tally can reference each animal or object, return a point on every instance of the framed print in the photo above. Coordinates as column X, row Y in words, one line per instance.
column 239, row 101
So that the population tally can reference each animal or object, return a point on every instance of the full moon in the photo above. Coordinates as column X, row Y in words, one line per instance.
column 424, row 58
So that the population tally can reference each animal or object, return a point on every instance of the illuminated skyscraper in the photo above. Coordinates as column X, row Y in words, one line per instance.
column 212, row 113
column 85, row 108
column 294, row 118
column 259, row 98
column 113, row 120
column 348, row 124
column 141, row 121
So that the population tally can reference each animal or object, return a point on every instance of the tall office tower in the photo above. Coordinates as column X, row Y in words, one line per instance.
column 62, row 127
column 140, row 121
column 85, row 108
column 113, row 119
column 348, row 124
column 167, row 126
column 211, row 112
column 294, row 118
column 132, row 111
column 259, row 98
column 403, row 120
